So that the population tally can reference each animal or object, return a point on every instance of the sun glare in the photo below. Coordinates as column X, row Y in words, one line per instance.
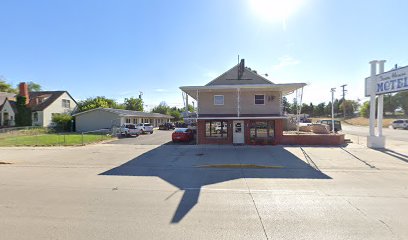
column 275, row 10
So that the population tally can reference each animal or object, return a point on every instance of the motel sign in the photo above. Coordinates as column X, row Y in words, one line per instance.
column 379, row 83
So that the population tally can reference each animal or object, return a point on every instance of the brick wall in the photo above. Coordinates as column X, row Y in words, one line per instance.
column 316, row 139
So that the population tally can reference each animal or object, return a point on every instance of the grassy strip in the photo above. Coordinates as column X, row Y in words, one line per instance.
column 52, row 140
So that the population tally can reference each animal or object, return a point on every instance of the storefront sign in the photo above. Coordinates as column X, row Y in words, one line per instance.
column 389, row 82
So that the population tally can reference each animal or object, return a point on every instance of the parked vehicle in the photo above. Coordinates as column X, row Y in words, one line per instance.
column 337, row 124
column 167, row 126
column 129, row 129
column 400, row 123
column 182, row 135
column 193, row 127
column 145, row 127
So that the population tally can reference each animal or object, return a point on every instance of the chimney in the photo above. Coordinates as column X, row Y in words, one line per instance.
column 24, row 91
column 241, row 68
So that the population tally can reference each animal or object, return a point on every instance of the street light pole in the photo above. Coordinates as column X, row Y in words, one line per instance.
column 333, row 90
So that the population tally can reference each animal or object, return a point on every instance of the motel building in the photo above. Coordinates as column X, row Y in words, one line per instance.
column 240, row 107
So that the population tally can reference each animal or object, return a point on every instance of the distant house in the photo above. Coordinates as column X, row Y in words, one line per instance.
column 7, row 109
column 106, row 118
column 43, row 105
column 240, row 107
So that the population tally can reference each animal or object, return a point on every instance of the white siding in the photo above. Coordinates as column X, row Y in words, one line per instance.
column 56, row 107
column 40, row 119
column 11, row 116
column 97, row 119
column 246, row 99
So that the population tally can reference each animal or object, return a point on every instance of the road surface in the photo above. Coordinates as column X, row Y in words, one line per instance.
column 392, row 134
column 130, row 191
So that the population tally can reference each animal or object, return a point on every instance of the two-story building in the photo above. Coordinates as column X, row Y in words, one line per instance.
column 240, row 107
column 42, row 104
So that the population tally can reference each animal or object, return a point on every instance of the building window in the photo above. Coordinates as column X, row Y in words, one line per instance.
column 65, row 103
column 259, row 99
column 218, row 99
column 262, row 130
column 35, row 116
column 216, row 129
column 127, row 120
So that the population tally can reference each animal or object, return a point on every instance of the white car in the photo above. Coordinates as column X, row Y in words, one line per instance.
column 145, row 127
column 400, row 123
column 129, row 129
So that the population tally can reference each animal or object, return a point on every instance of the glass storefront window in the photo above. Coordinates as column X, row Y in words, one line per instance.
column 216, row 129
column 262, row 130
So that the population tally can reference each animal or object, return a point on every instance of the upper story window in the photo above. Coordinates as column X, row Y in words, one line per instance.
column 65, row 103
column 218, row 99
column 259, row 99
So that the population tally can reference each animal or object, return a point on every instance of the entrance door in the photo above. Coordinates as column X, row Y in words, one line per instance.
column 238, row 135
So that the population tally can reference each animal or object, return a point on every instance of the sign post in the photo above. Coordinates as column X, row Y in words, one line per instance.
column 378, row 84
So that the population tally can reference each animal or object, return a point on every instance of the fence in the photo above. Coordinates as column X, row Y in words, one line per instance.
column 38, row 136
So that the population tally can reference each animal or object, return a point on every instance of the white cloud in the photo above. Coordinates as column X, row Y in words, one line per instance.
column 285, row 61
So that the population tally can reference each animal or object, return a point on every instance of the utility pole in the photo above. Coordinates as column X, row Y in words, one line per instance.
column 333, row 90
column 344, row 99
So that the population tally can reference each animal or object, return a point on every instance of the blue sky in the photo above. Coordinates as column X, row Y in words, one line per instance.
column 118, row 48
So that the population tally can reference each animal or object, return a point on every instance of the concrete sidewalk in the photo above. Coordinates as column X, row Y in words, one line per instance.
column 111, row 191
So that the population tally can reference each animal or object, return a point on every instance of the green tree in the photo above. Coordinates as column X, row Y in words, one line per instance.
column 162, row 108
column 293, row 107
column 402, row 99
column 5, row 87
column 34, row 87
column 176, row 114
column 63, row 121
column 349, row 105
column 390, row 103
column 96, row 102
column 23, row 114
column 135, row 104
column 327, row 109
column 318, row 111
column 305, row 109
column 286, row 105
column 365, row 109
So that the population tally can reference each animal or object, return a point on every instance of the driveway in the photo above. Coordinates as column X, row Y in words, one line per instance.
column 159, row 137
column 121, row 191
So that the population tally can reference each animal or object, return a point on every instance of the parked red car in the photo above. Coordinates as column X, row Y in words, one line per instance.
column 182, row 135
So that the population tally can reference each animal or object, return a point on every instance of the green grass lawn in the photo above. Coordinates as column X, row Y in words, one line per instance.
column 52, row 139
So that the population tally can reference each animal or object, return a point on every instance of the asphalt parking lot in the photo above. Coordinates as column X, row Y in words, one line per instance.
column 159, row 137
column 122, row 191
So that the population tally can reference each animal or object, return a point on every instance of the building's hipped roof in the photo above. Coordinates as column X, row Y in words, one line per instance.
column 233, row 77
column 241, row 77
column 127, row 113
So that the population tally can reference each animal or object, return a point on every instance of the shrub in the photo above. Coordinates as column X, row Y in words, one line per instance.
column 63, row 121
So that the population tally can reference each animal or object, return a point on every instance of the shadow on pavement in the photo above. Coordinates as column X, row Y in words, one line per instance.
column 181, row 167
column 395, row 154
